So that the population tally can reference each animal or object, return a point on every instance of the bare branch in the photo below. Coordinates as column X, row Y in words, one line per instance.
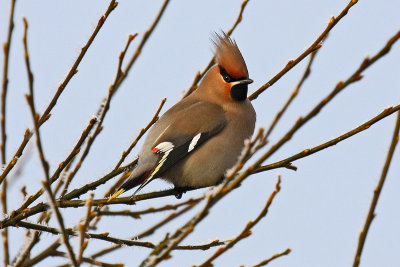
column 265, row 262
column 6, row 49
column 60, row 220
column 91, row 186
column 246, row 232
column 142, row 132
column 74, row 68
column 137, row 214
column 83, row 228
column 169, row 218
column 309, row 151
column 139, row 49
column 149, row 231
column 356, row 76
column 41, row 256
column 58, row 171
column 87, row 260
column 295, row 92
column 103, row 111
column 371, row 213
column 133, row 144
column 107, row 237
column 31, row 103
column 3, row 193
column 65, row 203
column 23, row 255
column 46, row 115
column 45, row 165
column 27, row 136
column 313, row 47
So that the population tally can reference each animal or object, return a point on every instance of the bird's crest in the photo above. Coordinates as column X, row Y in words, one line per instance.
column 227, row 55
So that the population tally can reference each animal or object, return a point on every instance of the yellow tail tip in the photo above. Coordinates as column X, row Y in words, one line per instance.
column 116, row 194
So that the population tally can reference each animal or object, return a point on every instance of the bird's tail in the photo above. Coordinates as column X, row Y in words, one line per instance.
column 131, row 183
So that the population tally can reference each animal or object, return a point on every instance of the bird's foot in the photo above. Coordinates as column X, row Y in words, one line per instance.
column 179, row 191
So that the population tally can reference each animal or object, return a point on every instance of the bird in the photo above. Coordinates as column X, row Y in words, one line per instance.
column 197, row 140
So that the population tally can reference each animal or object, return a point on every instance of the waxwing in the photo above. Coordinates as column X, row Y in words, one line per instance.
column 197, row 140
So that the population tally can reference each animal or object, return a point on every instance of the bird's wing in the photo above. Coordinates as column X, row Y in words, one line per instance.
column 188, row 130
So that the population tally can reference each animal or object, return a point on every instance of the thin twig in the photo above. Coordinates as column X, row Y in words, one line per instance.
column 27, row 136
column 161, row 252
column 93, row 185
column 139, row 49
column 12, row 221
column 200, row 75
column 87, row 260
column 74, row 69
column 4, row 232
column 60, row 168
column 278, row 255
column 31, row 103
column 41, row 256
column 24, row 254
column 45, row 165
column 103, row 111
column 83, row 228
column 309, row 151
column 142, row 132
column 167, row 219
column 247, row 229
column 295, row 92
column 371, row 213
column 65, row 202
column 6, row 48
column 125, row 153
column 313, row 47
column 129, row 242
column 137, row 214
column 60, row 220
column 149, row 231
column 19, row 170
column 356, row 76
column 108, row 238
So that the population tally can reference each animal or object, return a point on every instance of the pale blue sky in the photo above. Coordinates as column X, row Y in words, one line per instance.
column 321, row 207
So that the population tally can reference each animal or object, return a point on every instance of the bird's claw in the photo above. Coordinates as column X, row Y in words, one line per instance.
column 179, row 191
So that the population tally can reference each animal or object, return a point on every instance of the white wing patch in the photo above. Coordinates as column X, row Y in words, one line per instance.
column 194, row 142
column 164, row 147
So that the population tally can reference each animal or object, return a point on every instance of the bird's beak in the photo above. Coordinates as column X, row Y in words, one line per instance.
column 245, row 81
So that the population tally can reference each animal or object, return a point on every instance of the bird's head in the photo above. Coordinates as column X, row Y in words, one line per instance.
column 229, row 78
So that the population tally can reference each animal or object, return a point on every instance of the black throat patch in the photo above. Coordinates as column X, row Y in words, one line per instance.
column 239, row 92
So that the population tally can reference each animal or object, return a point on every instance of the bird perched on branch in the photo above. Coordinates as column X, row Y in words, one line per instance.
column 197, row 140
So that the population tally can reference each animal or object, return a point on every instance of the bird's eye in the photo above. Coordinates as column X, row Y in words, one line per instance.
column 227, row 78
